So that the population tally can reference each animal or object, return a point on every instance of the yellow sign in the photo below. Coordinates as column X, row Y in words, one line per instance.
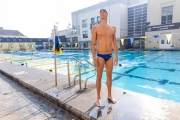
column 122, row 41
column 143, row 36
column 75, row 44
column 168, row 36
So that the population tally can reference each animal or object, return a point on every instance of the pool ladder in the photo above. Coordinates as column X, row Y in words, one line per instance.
column 79, row 71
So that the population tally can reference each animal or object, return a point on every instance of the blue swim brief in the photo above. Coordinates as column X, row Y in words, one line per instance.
column 106, row 57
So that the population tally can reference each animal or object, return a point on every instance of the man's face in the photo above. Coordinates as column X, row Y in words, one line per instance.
column 103, row 14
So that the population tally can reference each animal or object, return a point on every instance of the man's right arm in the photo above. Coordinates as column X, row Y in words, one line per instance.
column 93, row 42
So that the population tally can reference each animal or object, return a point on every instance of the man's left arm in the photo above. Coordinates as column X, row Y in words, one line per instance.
column 115, row 47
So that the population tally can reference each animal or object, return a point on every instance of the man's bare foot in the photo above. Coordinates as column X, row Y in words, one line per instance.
column 112, row 100
column 98, row 103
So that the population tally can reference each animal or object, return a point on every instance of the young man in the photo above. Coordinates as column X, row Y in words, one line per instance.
column 105, row 37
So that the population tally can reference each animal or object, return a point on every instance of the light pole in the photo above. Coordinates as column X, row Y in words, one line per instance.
column 55, row 33
column 57, row 27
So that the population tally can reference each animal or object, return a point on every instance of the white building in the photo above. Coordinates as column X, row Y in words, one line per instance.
column 11, row 33
column 163, row 31
column 82, row 20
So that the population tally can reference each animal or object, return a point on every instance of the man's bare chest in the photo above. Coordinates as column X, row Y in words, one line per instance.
column 105, row 32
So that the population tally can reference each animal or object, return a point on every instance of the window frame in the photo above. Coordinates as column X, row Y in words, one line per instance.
column 92, row 19
column 99, row 19
column 85, row 34
column 84, row 23
column 166, row 12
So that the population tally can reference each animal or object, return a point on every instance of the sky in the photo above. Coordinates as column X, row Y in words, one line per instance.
column 36, row 18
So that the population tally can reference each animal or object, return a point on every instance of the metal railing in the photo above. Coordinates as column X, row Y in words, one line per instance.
column 68, row 68
column 85, row 84
column 79, row 69
column 78, row 74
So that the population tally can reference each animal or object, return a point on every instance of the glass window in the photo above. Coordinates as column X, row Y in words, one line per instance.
column 145, row 5
column 144, row 10
column 130, row 17
column 162, row 41
column 138, row 18
column 139, row 14
column 92, row 20
column 131, row 14
column 130, row 34
column 138, row 7
column 98, row 19
column 130, row 20
column 84, row 23
column 138, row 29
column 138, row 11
column 131, row 9
column 167, row 15
column 130, row 25
column 132, row 28
column 85, row 34
column 137, row 33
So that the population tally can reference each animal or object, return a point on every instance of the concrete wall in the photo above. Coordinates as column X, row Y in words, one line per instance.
column 154, row 17
column 117, row 16
column 155, row 10
column 77, row 15
column 17, row 46
column 155, row 43
column 88, row 16
column 123, row 21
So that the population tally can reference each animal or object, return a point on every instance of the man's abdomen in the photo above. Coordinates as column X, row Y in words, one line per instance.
column 103, row 49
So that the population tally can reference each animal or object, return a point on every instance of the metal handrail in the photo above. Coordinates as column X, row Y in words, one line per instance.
column 68, row 68
column 80, row 73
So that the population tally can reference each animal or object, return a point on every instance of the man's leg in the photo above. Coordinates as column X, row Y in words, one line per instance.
column 100, row 67
column 109, row 68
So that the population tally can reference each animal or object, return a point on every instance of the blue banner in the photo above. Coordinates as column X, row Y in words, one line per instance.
column 57, row 45
column 156, row 36
column 80, row 43
column 132, row 40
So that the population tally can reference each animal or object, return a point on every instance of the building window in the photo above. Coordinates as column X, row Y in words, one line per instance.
column 85, row 34
column 162, row 41
column 92, row 20
column 98, row 19
column 167, row 14
column 84, row 23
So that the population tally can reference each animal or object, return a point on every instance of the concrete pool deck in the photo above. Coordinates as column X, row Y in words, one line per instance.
column 81, row 104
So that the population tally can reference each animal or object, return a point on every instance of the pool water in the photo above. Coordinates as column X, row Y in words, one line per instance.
column 154, row 73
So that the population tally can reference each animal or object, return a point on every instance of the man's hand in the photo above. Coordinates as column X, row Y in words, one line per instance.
column 95, row 62
column 116, row 61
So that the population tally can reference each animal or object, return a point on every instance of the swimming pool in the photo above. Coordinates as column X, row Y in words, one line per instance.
column 154, row 73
